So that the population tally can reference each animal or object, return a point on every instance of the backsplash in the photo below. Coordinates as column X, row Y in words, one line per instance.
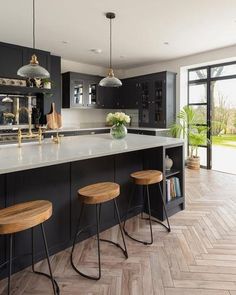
column 75, row 117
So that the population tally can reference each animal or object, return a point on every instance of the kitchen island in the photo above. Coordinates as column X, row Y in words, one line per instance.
column 54, row 172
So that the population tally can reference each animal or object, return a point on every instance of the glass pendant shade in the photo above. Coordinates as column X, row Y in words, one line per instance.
column 33, row 70
column 110, row 80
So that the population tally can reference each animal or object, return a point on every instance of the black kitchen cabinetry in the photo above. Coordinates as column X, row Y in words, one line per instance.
column 11, row 60
column 83, row 91
column 128, row 94
column 157, row 99
column 153, row 95
column 13, row 57
column 80, row 90
column 55, row 76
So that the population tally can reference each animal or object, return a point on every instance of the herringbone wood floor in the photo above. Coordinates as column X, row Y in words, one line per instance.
column 197, row 257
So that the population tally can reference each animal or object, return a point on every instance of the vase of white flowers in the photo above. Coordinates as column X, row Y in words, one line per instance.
column 118, row 121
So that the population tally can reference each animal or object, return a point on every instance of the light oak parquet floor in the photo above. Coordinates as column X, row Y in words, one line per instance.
column 197, row 258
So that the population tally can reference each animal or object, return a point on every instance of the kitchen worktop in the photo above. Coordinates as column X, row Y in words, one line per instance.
column 33, row 155
column 99, row 126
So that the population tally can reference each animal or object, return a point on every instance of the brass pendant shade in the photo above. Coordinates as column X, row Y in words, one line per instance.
column 33, row 69
column 110, row 80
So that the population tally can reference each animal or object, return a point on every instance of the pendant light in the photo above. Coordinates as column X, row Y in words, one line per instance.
column 110, row 80
column 33, row 69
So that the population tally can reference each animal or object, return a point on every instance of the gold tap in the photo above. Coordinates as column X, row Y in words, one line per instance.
column 57, row 138
column 38, row 135
column 29, row 112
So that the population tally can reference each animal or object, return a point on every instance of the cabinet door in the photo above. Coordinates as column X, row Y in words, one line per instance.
column 92, row 92
column 10, row 61
column 159, row 100
column 128, row 95
column 107, row 97
column 77, row 91
column 145, row 94
column 55, row 75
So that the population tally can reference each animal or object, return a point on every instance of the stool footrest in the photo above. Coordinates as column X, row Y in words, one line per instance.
column 117, row 245
column 49, row 277
column 159, row 222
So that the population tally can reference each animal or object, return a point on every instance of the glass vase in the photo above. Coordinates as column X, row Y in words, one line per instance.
column 118, row 131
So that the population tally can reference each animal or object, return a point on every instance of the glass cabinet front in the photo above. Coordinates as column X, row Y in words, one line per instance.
column 92, row 94
column 78, row 93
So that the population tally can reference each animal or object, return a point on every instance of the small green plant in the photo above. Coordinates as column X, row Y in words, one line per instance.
column 189, row 128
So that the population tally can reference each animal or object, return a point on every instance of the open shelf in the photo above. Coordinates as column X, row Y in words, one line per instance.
column 172, row 172
column 174, row 202
column 8, row 89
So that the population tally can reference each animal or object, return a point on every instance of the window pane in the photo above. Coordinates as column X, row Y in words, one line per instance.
column 198, row 93
column 201, row 113
column 223, row 71
column 198, row 74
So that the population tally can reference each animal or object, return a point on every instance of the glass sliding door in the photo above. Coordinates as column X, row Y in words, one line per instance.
column 198, row 99
column 212, row 94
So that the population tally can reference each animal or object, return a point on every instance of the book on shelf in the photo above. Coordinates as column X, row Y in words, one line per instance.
column 173, row 189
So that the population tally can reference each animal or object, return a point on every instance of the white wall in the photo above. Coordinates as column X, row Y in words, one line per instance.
column 181, row 65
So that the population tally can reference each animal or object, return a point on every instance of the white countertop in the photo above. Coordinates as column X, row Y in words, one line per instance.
column 74, row 148
column 84, row 127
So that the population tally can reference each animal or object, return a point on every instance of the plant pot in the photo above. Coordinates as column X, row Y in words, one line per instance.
column 47, row 85
column 193, row 163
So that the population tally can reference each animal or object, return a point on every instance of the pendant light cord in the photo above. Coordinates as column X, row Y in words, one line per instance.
column 34, row 24
column 110, row 44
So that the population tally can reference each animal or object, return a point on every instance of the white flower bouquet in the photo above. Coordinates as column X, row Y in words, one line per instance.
column 117, row 118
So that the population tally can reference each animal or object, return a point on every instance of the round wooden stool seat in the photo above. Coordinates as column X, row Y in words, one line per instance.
column 23, row 216
column 146, row 177
column 99, row 192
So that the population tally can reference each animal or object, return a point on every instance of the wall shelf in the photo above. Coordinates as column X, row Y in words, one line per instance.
column 8, row 89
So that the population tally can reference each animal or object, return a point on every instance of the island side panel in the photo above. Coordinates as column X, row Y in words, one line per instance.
column 50, row 183
column 125, row 164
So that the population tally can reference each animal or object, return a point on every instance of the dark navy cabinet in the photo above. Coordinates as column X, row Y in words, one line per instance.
column 11, row 59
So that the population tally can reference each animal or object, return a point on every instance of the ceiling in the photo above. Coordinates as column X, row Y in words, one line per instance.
column 139, row 31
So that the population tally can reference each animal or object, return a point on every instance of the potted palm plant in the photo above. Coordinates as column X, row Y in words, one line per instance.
column 189, row 127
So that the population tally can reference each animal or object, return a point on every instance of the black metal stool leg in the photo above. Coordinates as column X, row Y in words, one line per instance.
column 78, row 232
column 10, row 264
column 164, row 207
column 150, row 224
column 121, row 230
column 55, row 286
column 149, row 215
column 33, row 268
column 129, row 204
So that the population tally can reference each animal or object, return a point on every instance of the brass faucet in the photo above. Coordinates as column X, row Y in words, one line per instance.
column 29, row 112
column 38, row 135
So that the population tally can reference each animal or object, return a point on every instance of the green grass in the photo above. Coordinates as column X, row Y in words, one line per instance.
column 225, row 140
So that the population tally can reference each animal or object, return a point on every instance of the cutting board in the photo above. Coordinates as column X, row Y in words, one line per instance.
column 53, row 118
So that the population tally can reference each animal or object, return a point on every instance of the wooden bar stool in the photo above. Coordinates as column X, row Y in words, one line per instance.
column 96, row 194
column 21, row 217
column 146, row 178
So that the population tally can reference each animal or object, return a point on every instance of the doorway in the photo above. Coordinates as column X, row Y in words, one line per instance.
column 212, row 93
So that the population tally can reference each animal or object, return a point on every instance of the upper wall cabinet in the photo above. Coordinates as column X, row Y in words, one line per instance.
column 13, row 57
column 79, row 90
column 83, row 91
column 11, row 60
column 157, row 99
